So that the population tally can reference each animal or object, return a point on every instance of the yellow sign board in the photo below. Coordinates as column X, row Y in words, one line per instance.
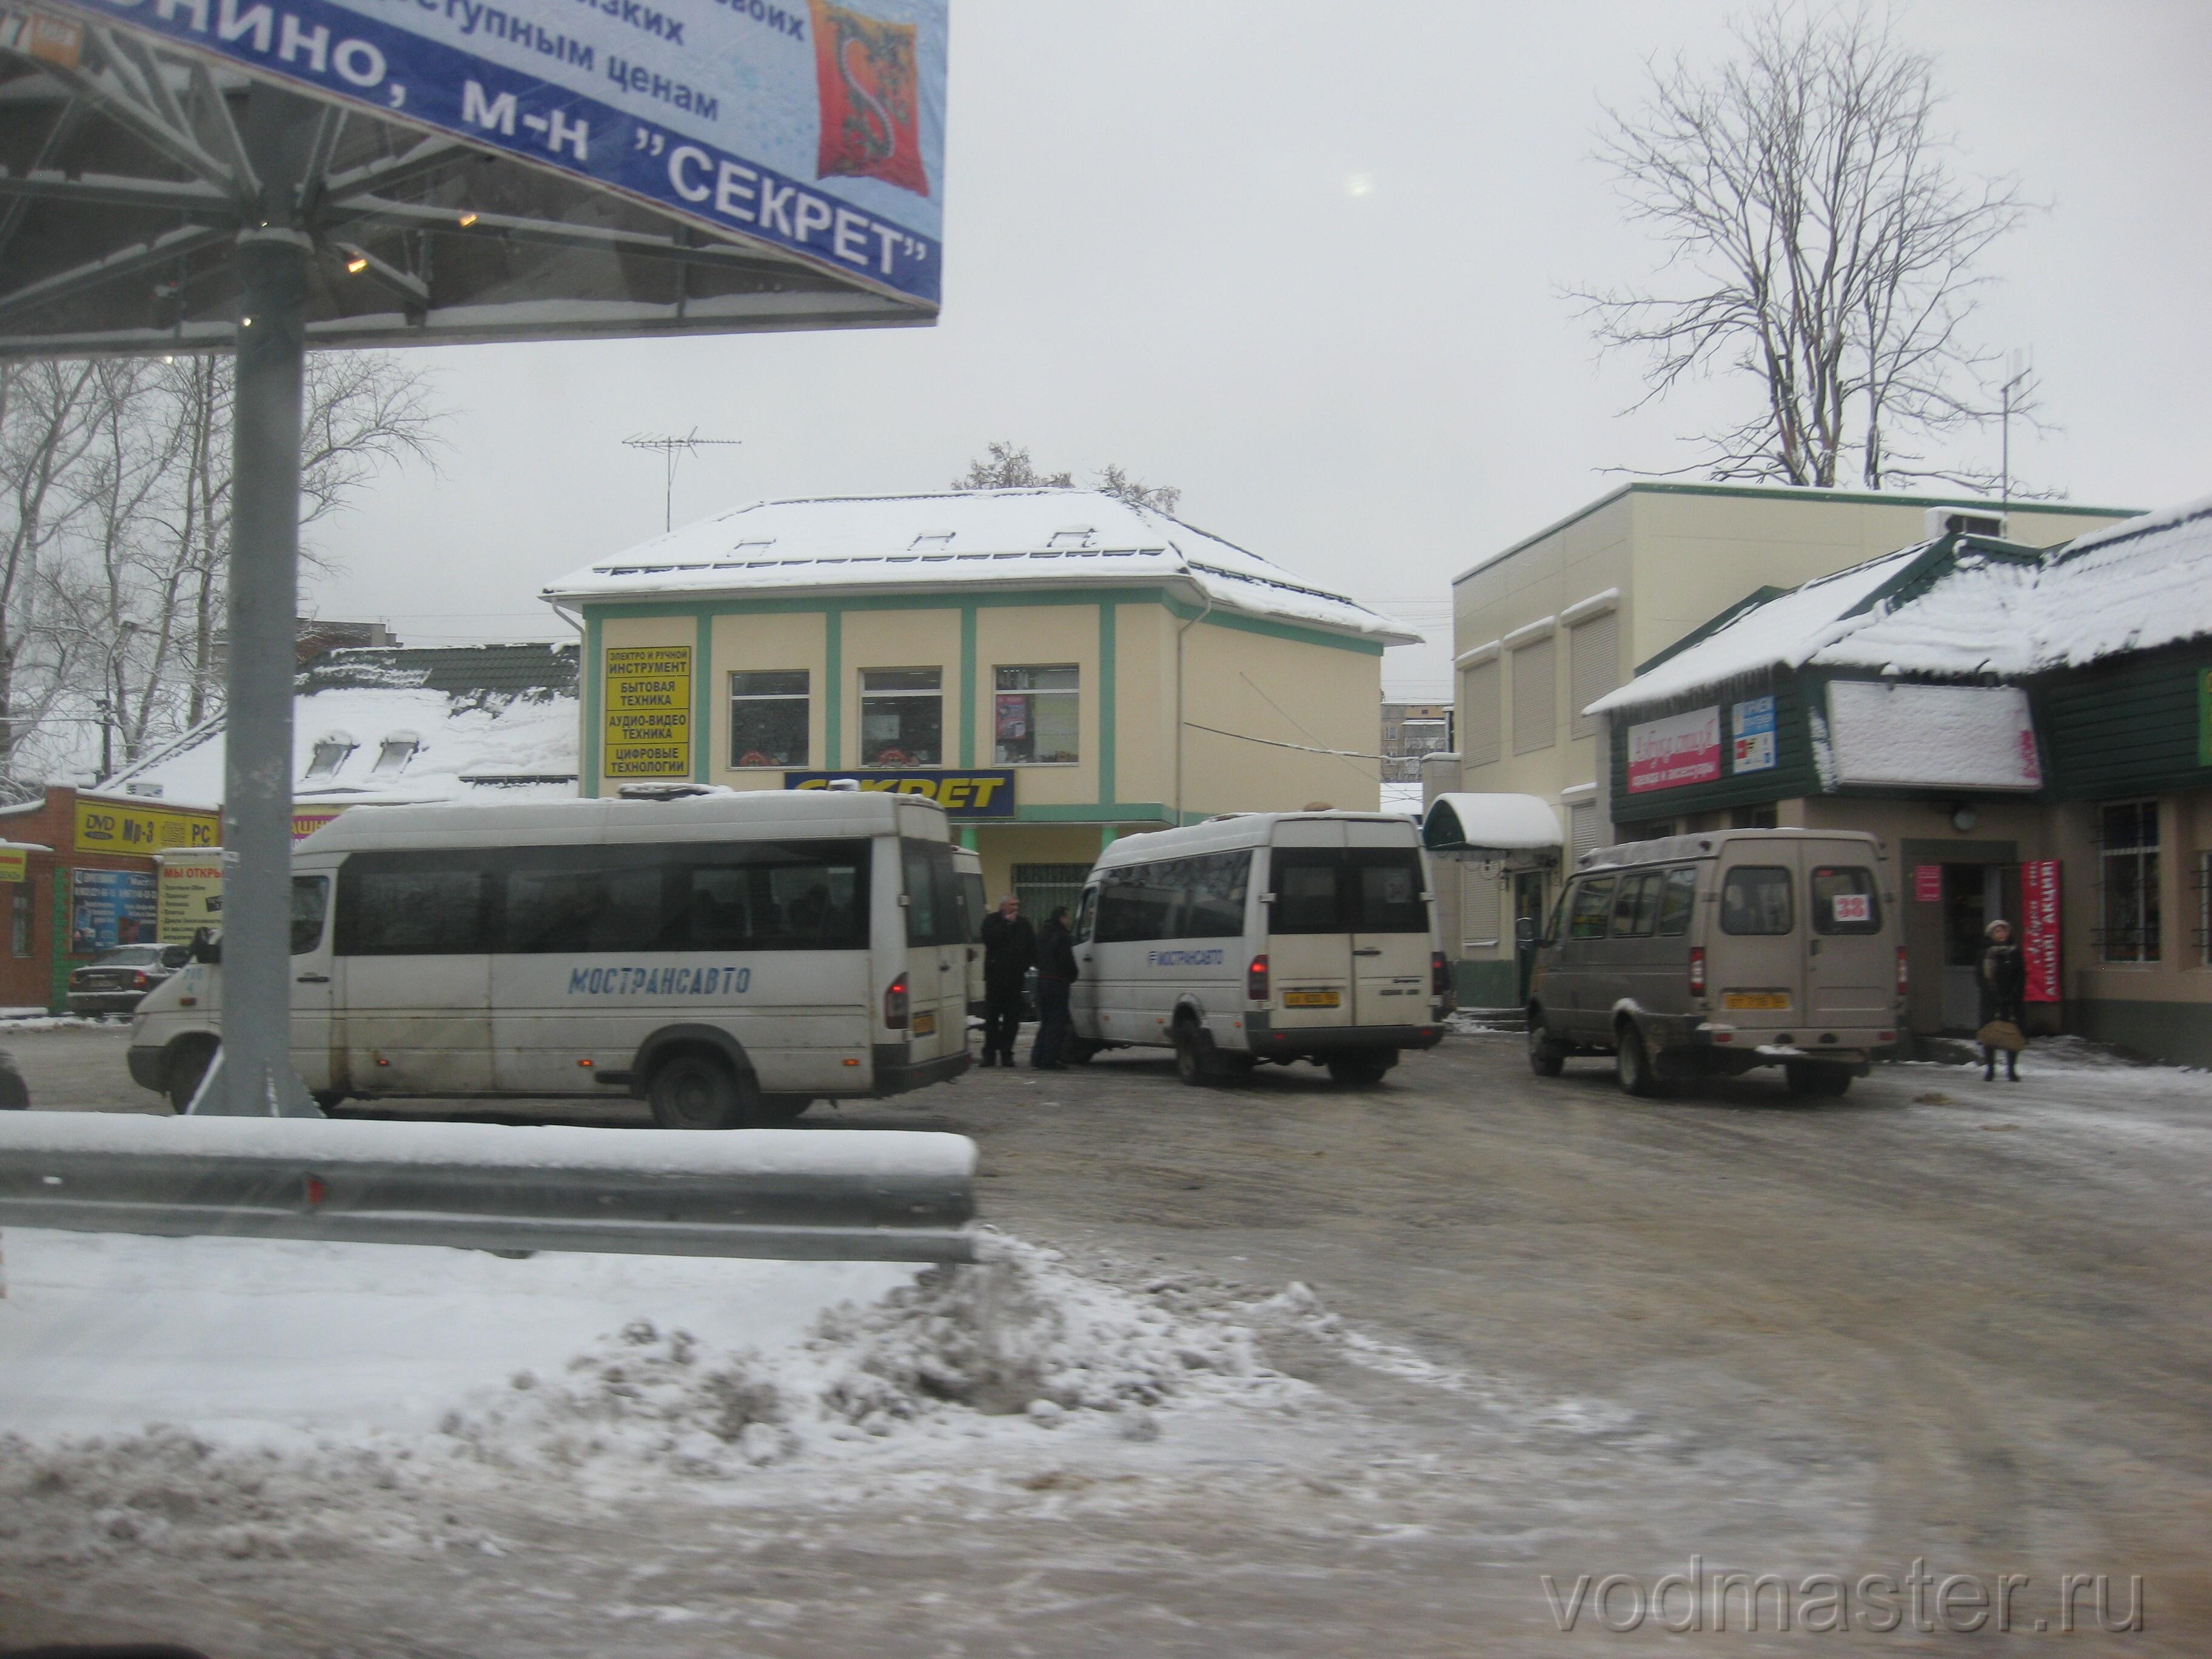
column 15, row 863
column 648, row 712
column 306, row 820
column 187, row 897
column 107, row 826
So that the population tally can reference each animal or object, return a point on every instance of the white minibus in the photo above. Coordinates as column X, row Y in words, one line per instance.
column 729, row 956
column 1263, row 936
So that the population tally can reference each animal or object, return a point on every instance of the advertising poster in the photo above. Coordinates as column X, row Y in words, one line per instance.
column 648, row 712
column 815, row 127
column 1754, row 736
column 189, row 897
column 108, row 908
column 1678, row 750
column 2039, row 927
column 1928, row 884
column 15, row 863
column 306, row 820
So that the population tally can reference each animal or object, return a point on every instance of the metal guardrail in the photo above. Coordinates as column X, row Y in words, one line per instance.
column 785, row 1194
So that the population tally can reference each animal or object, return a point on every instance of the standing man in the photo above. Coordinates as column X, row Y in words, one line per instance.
column 1010, row 951
column 1056, row 971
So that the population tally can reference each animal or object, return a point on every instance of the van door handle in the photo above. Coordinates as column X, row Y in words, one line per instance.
column 1369, row 951
column 314, row 979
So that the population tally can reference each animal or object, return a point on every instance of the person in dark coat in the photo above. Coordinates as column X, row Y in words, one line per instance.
column 2002, row 981
column 1010, row 951
column 1056, row 971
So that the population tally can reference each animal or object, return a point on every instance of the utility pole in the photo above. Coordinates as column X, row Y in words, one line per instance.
column 2022, row 368
column 672, row 451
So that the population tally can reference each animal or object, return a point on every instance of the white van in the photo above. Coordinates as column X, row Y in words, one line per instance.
column 729, row 956
column 1263, row 936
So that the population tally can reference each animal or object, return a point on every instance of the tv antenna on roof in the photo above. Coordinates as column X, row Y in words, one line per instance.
column 672, row 451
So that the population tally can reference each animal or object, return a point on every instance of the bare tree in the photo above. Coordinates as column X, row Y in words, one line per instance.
column 115, row 477
column 1818, row 241
column 1008, row 467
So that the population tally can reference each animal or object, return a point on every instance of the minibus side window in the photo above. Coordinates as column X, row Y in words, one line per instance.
column 1680, row 896
column 1086, row 914
column 1755, row 899
column 1386, row 887
column 776, row 895
column 1137, row 901
column 1308, row 898
column 1213, row 900
column 1588, row 908
column 1636, row 912
column 971, row 890
column 1844, row 900
column 311, row 896
column 561, row 912
column 412, row 904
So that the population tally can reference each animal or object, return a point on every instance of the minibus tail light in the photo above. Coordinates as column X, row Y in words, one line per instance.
column 1439, row 975
column 1904, row 974
column 895, row 1004
column 1697, row 970
column 1256, row 979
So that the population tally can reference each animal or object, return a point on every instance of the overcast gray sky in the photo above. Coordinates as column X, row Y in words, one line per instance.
column 1303, row 260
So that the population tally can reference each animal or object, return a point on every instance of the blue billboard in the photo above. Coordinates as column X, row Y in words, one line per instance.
column 815, row 126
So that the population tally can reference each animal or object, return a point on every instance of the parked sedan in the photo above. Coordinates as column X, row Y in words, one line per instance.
column 114, row 982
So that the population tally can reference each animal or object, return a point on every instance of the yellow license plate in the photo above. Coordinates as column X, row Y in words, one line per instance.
column 1310, row 999
column 1769, row 1000
column 924, row 1025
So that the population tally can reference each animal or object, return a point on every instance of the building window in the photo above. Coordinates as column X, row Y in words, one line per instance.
column 901, row 717
column 1479, row 735
column 2204, row 908
column 1536, row 714
column 1594, row 666
column 1035, row 715
column 1581, row 828
column 329, row 753
column 769, row 717
column 1753, row 817
column 2129, row 863
column 19, row 915
column 393, row 753
column 1043, row 887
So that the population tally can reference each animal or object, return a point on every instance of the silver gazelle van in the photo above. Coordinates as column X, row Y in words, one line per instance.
column 1714, row 954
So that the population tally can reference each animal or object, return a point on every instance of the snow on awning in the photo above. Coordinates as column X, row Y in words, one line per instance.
column 1490, row 823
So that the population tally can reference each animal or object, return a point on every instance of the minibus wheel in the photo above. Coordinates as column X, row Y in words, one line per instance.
column 1632, row 1062
column 1815, row 1080
column 1362, row 1071
column 694, row 1090
column 189, row 1060
column 1548, row 1055
column 1190, row 1054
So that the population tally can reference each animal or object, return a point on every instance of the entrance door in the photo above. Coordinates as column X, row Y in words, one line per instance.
column 1974, row 895
column 1529, row 907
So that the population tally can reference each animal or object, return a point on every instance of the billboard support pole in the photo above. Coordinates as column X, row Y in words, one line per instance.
column 256, row 1078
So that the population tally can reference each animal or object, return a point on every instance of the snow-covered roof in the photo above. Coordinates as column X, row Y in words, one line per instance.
column 1967, row 606
column 1490, row 823
column 993, row 537
column 492, row 722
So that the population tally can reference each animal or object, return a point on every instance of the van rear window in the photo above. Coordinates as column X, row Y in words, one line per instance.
column 1360, row 890
column 1844, row 900
column 1755, row 899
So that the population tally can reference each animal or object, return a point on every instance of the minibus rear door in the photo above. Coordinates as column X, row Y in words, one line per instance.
column 1850, row 969
column 1308, row 926
column 1389, row 915
column 936, row 952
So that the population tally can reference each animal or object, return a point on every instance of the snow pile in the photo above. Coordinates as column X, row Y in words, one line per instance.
column 1024, row 1337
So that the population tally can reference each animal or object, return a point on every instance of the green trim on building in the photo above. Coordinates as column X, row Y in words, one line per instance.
column 1485, row 982
column 1110, row 707
column 2178, row 1033
column 1011, row 600
column 1147, row 812
column 702, row 702
column 833, row 689
column 594, row 692
column 1792, row 776
column 2135, row 725
column 968, row 684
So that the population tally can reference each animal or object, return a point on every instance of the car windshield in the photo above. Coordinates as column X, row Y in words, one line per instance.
column 1104, row 828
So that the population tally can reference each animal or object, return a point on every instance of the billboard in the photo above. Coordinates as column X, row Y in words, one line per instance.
column 814, row 127
column 1754, row 736
column 1678, row 750
column 108, row 908
column 647, row 712
column 189, row 898
column 1933, row 737
column 965, row 792
column 2040, row 928
column 108, row 826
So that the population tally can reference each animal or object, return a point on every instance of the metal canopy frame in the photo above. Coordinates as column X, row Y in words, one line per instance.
column 125, row 179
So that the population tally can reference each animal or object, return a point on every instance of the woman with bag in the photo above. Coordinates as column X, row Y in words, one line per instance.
column 2003, row 983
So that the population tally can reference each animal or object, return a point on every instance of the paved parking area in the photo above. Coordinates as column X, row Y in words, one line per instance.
column 1936, row 1319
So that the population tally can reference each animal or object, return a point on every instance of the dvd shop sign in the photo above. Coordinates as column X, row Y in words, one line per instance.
column 1679, row 750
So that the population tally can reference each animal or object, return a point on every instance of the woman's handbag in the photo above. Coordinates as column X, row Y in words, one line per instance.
column 2002, row 1034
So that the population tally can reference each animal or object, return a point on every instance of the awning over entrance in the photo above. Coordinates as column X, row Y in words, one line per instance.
column 1491, row 824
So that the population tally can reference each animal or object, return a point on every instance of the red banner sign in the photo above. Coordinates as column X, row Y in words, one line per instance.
column 1928, row 884
column 1669, row 753
column 2039, row 933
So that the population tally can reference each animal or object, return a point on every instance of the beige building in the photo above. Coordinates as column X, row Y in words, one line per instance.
column 1056, row 666
column 1546, row 626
